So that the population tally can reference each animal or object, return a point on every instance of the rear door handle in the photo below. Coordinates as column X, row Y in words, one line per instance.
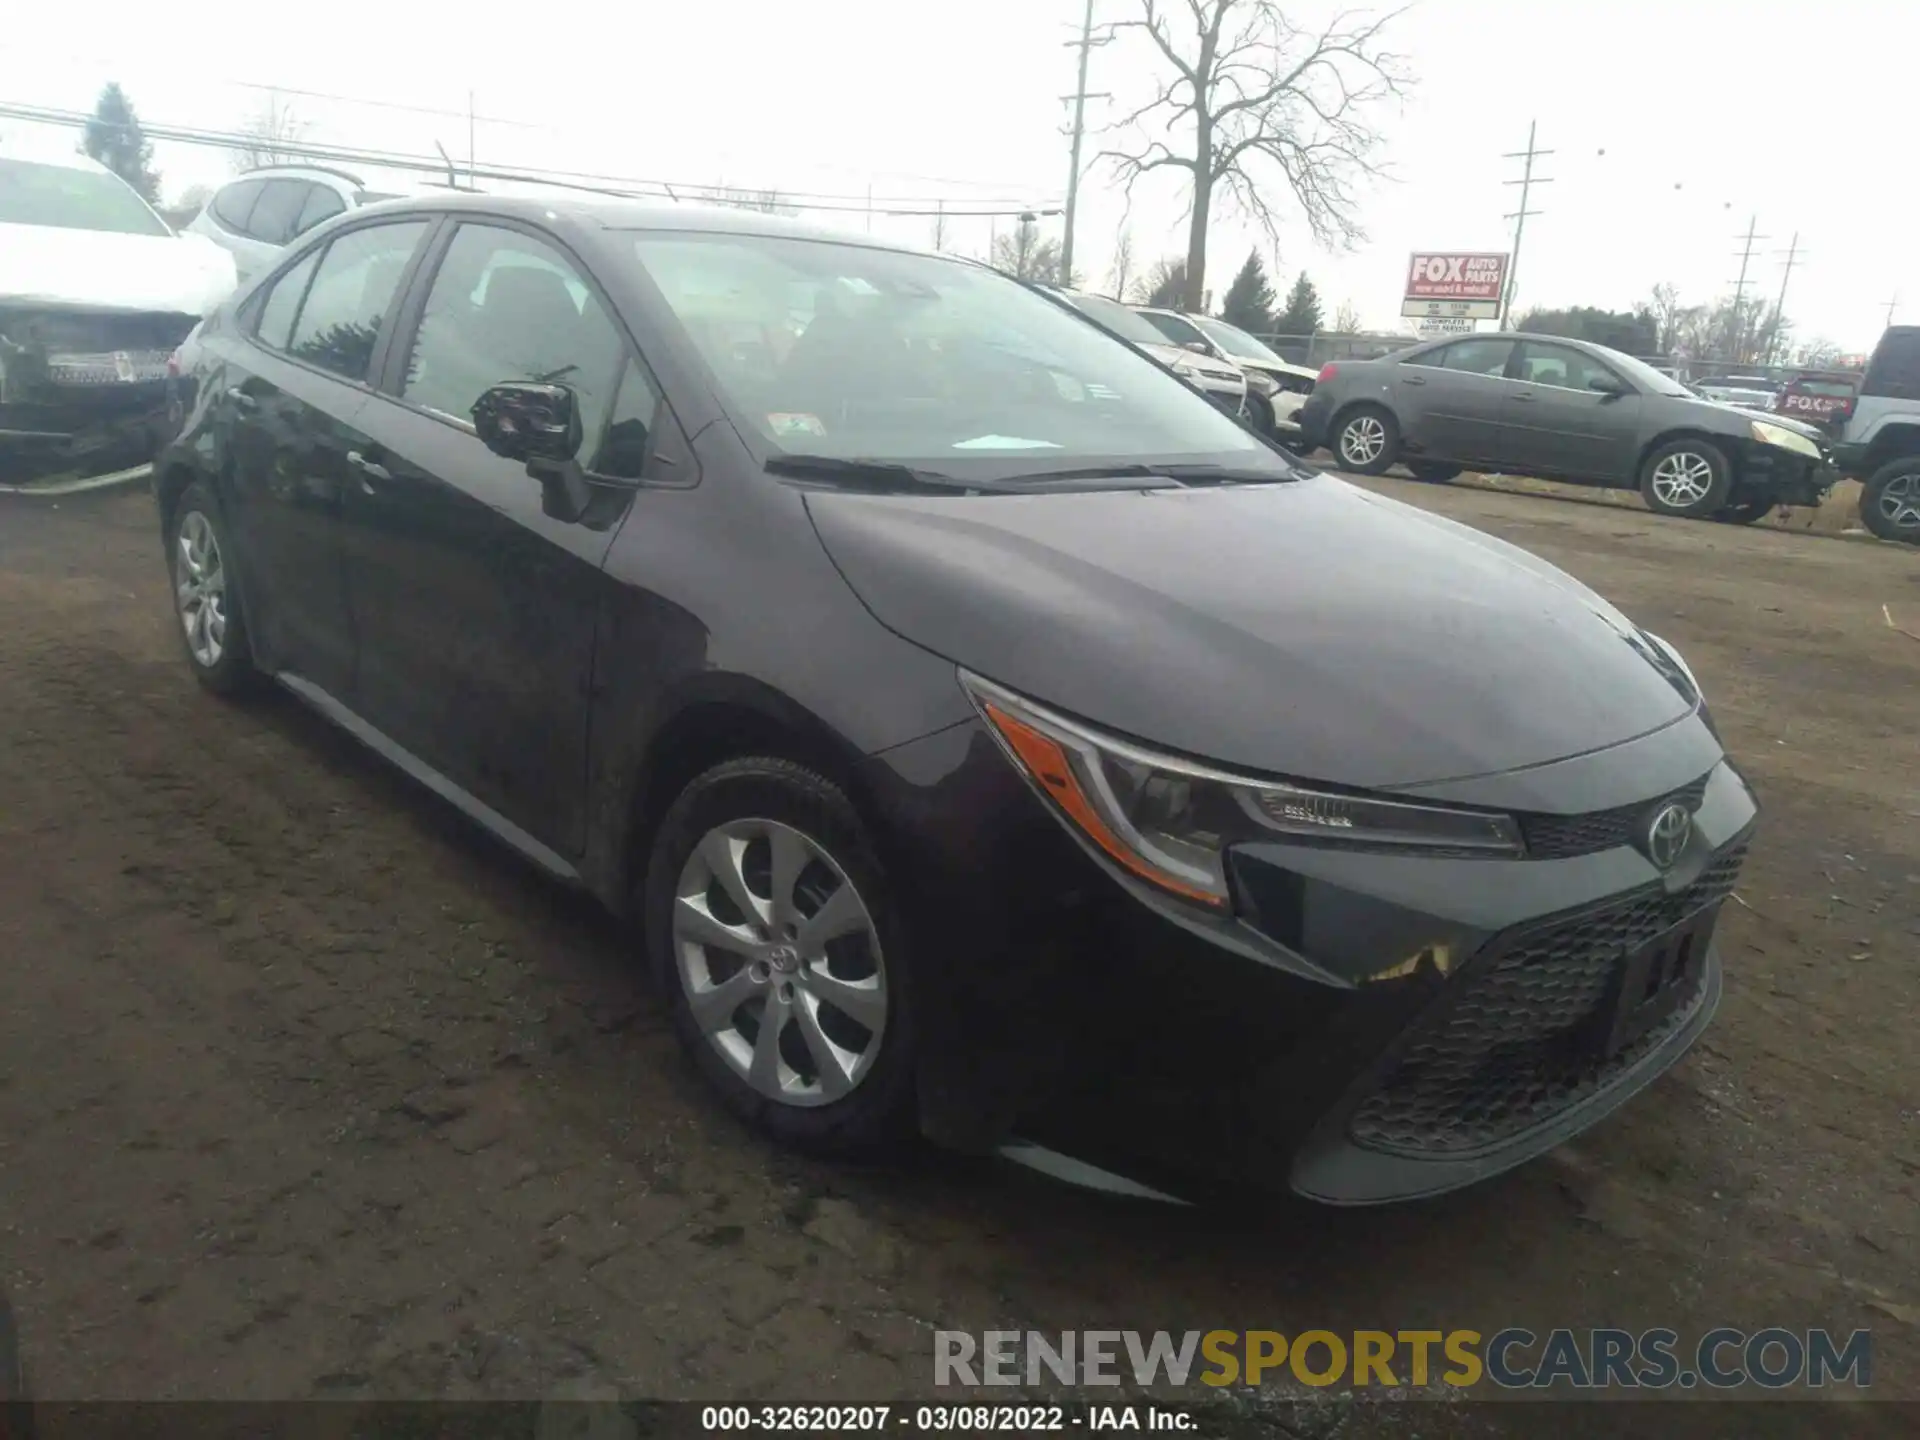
column 1524, row 397
column 372, row 469
column 1413, row 379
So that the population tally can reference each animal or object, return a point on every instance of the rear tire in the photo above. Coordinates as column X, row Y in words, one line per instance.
column 1366, row 441
column 206, row 600
column 835, row 1075
column 1890, row 501
column 1432, row 472
column 1689, row 479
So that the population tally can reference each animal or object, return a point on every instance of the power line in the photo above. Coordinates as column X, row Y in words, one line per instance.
column 586, row 181
column 1526, row 182
column 1740, row 290
column 1084, row 45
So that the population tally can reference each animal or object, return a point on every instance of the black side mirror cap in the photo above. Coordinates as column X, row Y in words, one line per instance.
column 1612, row 389
column 528, row 422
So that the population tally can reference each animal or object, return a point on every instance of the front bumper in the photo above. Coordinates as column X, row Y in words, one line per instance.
column 1787, row 477
column 1368, row 1027
column 82, row 393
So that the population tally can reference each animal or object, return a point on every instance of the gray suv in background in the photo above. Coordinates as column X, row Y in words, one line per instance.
column 1563, row 410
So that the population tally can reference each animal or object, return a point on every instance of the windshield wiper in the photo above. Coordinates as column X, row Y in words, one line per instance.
column 875, row 474
column 1184, row 474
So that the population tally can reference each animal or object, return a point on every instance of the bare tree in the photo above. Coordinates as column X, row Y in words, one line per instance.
column 1027, row 256
column 1122, row 264
column 1818, row 353
column 268, row 133
column 1165, row 284
column 940, row 228
column 1346, row 320
column 1664, row 308
column 1249, row 96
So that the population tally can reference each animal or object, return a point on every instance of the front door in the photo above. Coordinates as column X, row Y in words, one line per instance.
column 1560, row 424
column 293, row 392
column 478, row 647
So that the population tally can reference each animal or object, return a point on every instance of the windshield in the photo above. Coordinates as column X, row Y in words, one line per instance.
column 852, row 352
column 1643, row 375
column 1118, row 318
column 66, row 197
column 1236, row 342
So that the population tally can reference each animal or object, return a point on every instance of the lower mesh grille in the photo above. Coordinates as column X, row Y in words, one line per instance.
column 1503, row 1056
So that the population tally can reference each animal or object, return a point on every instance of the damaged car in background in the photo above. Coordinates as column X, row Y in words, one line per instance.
column 96, row 294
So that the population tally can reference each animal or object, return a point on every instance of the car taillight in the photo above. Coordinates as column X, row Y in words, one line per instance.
column 1327, row 372
column 173, row 366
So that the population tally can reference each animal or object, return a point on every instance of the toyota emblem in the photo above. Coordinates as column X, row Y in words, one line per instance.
column 1667, row 836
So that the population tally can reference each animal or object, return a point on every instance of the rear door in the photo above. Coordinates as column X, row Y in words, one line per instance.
column 295, row 386
column 477, row 652
column 1559, row 424
column 1449, row 400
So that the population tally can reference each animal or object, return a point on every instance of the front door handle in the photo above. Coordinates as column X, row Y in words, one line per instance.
column 241, row 397
column 1413, row 379
column 372, row 469
column 1524, row 398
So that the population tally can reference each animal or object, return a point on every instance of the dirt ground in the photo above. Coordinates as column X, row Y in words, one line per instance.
column 307, row 1090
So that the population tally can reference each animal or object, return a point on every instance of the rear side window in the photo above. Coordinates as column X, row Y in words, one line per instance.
column 233, row 205
column 283, row 304
column 1895, row 371
column 276, row 210
column 351, row 296
column 1478, row 357
column 322, row 204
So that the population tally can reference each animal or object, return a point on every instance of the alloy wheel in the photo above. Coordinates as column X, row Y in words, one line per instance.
column 1899, row 502
column 780, row 961
column 1362, row 440
column 1682, row 479
column 200, row 589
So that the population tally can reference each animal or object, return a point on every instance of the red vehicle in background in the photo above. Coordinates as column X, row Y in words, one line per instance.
column 1824, row 399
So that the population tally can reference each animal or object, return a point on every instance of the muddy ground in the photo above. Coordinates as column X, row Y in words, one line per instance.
column 306, row 1090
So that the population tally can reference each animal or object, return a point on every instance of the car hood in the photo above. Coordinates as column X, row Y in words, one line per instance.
column 1306, row 629
column 1190, row 361
column 169, row 274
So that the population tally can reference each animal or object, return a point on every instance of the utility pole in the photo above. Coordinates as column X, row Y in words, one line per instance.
column 1084, row 44
column 1740, row 292
column 1780, row 303
column 1892, row 305
column 1526, row 182
column 470, row 144
column 939, row 225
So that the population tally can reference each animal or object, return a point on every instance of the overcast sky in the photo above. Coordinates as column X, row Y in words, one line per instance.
column 1672, row 121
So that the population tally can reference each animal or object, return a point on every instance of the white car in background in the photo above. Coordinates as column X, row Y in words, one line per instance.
column 1221, row 381
column 258, row 214
column 96, row 293
column 1279, row 387
column 1749, row 392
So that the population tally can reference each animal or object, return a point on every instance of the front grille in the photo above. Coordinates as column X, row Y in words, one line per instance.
column 1505, row 1054
column 1559, row 837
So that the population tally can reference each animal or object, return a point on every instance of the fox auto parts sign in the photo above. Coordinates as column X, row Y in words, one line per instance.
column 1454, row 285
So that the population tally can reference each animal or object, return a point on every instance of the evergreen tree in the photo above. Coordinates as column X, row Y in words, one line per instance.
column 1249, row 302
column 1302, row 315
column 113, row 137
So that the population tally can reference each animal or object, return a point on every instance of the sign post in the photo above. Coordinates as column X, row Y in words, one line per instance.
column 1454, row 285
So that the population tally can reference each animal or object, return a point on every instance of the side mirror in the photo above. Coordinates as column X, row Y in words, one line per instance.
column 1199, row 347
column 1607, row 386
column 531, row 423
column 538, row 425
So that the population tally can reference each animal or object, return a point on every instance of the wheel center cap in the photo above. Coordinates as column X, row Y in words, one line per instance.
column 784, row 958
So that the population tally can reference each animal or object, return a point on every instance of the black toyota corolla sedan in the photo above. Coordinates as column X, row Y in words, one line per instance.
column 983, row 732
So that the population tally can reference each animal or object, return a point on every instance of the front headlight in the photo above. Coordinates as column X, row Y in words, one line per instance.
column 1169, row 821
column 1769, row 434
column 1261, row 383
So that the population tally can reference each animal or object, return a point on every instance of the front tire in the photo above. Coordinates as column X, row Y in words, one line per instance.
column 770, row 919
column 1746, row 510
column 206, row 602
column 1688, row 479
column 1890, row 501
column 1260, row 413
column 1367, row 441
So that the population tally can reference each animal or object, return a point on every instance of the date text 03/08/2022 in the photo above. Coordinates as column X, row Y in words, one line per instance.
column 943, row 1419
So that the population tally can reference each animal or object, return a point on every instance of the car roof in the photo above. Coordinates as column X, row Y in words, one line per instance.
column 617, row 213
